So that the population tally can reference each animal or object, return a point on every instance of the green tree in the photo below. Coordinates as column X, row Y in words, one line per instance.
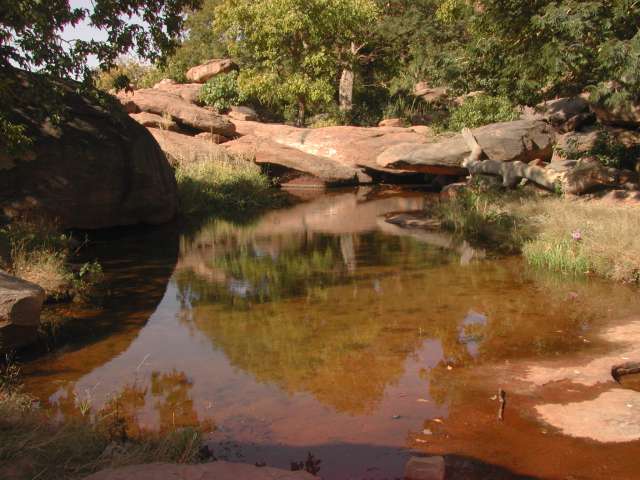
column 292, row 51
column 533, row 49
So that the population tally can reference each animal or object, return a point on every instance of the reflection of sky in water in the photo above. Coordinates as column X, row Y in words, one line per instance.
column 470, row 331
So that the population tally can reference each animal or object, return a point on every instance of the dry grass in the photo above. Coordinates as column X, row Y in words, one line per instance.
column 583, row 236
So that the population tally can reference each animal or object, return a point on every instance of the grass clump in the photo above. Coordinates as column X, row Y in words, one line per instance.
column 572, row 237
column 225, row 185
column 483, row 218
column 584, row 237
column 38, row 251
column 34, row 445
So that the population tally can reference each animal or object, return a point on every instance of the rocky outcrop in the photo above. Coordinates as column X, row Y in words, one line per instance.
column 559, row 112
column 209, row 69
column 391, row 122
column 522, row 140
column 207, row 471
column 20, row 305
column 184, row 113
column 355, row 147
column 151, row 120
column 628, row 116
column 430, row 94
column 182, row 149
column 94, row 168
column 243, row 113
column 189, row 92
column 293, row 167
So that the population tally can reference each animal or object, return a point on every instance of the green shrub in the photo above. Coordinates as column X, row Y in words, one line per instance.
column 12, row 137
column 482, row 110
column 124, row 73
column 221, row 92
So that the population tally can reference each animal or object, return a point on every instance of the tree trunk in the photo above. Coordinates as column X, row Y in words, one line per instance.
column 301, row 113
column 346, row 90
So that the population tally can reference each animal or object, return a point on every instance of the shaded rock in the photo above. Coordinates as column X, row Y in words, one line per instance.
column 589, row 174
column 425, row 468
column 212, row 137
column 391, row 122
column 243, row 113
column 573, row 144
column 95, row 168
column 453, row 189
column 628, row 116
column 522, row 140
column 209, row 69
column 557, row 111
column 20, row 305
column 430, row 94
column 293, row 167
column 183, row 149
column 189, row 92
column 208, row 471
column 161, row 102
column 152, row 120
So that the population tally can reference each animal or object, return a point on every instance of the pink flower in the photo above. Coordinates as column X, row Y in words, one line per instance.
column 576, row 235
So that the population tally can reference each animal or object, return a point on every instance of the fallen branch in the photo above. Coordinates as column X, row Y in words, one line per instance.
column 629, row 368
column 502, row 398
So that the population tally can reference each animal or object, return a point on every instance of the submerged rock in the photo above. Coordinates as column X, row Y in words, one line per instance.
column 208, row 471
column 20, row 305
column 93, row 167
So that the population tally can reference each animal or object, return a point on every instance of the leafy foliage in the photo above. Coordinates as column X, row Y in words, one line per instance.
column 291, row 50
column 221, row 91
column 133, row 71
column 482, row 110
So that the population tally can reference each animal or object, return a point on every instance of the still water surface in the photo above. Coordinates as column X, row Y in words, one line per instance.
column 322, row 328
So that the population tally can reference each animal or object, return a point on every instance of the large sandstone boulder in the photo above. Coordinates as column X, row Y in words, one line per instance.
column 94, row 168
column 522, row 140
column 209, row 69
column 207, row 471
column 629, row 116
column 161, row 102
column 183, row 149
column 355, row 147
column 20, row 305
column 190, row 92
column 294, row 167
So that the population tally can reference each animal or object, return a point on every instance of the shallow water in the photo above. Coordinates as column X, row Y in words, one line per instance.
column 321, row 328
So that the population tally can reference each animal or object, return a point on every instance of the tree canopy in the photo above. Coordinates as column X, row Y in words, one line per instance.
column 291, row 50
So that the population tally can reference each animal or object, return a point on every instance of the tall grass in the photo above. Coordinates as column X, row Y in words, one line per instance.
column 584, row 236
column 37, row 250
column 573, row 237
column 223, row 184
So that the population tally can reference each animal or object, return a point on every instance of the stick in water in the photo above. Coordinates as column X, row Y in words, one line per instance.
column 502, row 398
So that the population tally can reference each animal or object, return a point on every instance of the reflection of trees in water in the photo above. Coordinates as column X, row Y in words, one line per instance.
column 347, row 344
column 170, row 396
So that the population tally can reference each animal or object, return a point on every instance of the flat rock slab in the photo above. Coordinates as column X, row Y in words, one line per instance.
column 189, row 92
column 20, row 306
column 355, row 147
column 522, row 140
column 207, row 471
column 614, row 416
column 295, row 167
column 161, row 102
column 182, row 149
